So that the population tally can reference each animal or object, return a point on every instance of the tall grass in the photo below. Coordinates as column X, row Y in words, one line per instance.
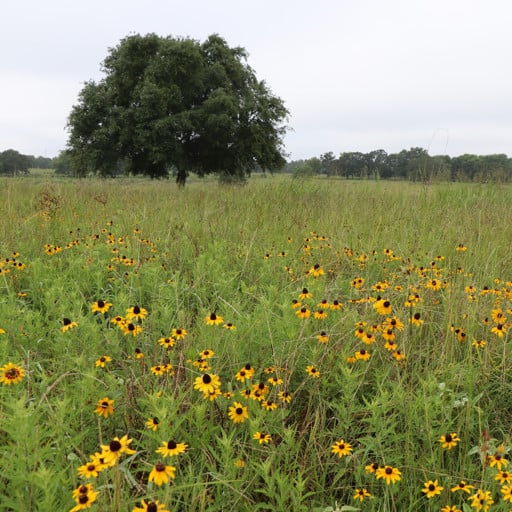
column 246, row 253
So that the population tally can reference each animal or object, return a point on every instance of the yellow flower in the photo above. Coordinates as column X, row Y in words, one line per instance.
column 213, row 319
column 238, row 413
column 432, row 488
column 207, row 383
column 341, row 448
column 11, row 373
column 162, row 474
column 171, row 448
column 102, row 361
column 312, row 371
column 104, row 407
column 262, row 438
column 100, row 306
column 152, row 423
column 449, row 441
column 389, row 474
column 67, row 324
column 361, row 494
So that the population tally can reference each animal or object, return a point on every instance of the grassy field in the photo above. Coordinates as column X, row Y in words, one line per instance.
column 286, row 345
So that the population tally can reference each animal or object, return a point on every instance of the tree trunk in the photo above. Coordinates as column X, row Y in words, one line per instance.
column 181, row 177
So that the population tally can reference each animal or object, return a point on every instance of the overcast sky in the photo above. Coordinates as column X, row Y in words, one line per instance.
column 356, row 75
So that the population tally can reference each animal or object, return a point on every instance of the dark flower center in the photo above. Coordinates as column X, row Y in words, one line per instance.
column 82, row 489
column 213, row 316
column 136, row 310
column 115, row 446
column 83, row 499
column 91, row 467
column 239, row 410
column 12, row 373
column 155, row 421
column 152, row 507
column 386, row 304
column 178, row 332
column 171, row 445
column 206, row 379
column 66, row 321
column 431, row 487
column 131, row 327
column 448, row 438
column 101, row 304
column 388, row 471
column 160, row 467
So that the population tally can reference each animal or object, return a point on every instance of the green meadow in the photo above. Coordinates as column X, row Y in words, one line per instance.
column 286, row 345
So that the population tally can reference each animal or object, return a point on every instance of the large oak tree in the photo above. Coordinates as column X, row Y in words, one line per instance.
column 175, row 104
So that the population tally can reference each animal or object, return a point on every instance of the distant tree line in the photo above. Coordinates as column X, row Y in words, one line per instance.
column 14, row 163
column 414, row 164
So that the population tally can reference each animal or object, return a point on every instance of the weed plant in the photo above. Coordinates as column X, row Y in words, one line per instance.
column 285, row 345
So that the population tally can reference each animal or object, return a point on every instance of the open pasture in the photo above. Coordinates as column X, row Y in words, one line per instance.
column 285, row 345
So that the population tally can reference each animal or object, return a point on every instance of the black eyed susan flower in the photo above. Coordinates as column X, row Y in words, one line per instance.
column 150, row 506
column 284, row 396
column 383, row 307
column 361, row 494
column 84, row 497
column 296, row 304
column 499, row 329
column 371, row 468
column 449, row 441
column 213, row 319
column 104, row 407
column 481, row 500
column 303, row 313
column 503, row 477
column 102, row 361
column 90, row 470
column 167, row 342
column 497, row 460
column 463, row 487
column 323, row 337
column 112, row 452
column 171, row 448
column 431, row 488
column 341, row 448
column 416, row 319
column 162, row 474
column 101, row 306
column 179, row 333
column 320, row 314
column 362, row 355
column 268, row 405
column 336, row 305
column 207, row 383
column 11, row 373
column 389, row 474
column 238, row 413
column 153, row 423
column 316, row 270
column 212, row 395
column 275, row 381
column 312, row 371
column 67, row 324
column 398, row 355
column 136, row 312
column 262, row 437
column 130, row 328
column 305, row 294
column 229, row 326
column 479, row 343
column 506, row 490
column 206, row 354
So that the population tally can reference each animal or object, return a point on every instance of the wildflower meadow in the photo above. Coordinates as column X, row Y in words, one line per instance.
column 286, row 345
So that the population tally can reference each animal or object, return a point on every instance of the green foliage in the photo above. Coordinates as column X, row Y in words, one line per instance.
column 72, row 243
column 176, row 104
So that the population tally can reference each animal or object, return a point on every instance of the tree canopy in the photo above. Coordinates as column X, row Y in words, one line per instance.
column 175, row 104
